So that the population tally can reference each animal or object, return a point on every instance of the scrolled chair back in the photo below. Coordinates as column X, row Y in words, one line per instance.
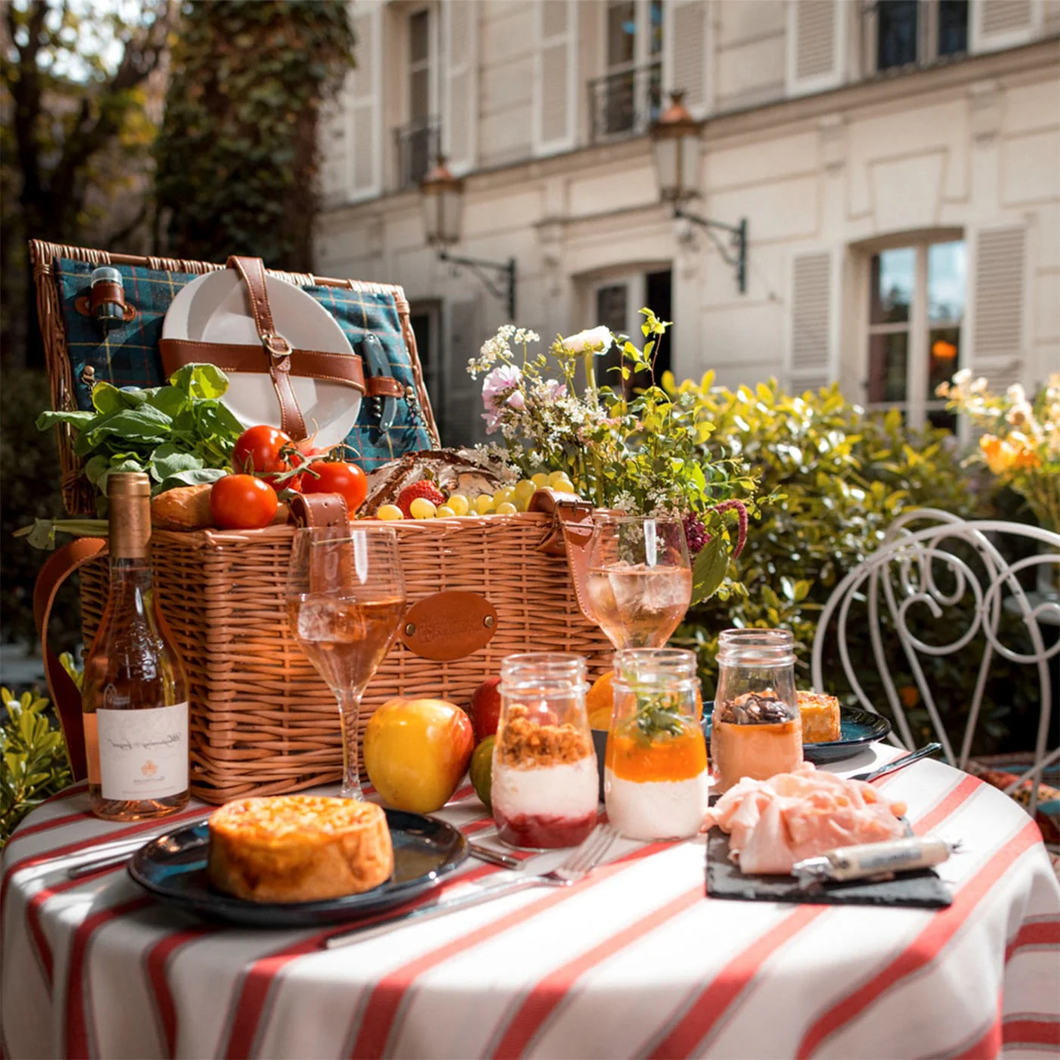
column 939, row 585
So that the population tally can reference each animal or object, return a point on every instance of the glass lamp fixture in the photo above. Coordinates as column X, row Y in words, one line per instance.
column 676, row 141
column 442, row 203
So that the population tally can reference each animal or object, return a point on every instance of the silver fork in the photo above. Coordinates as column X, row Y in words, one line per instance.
column 576, row 867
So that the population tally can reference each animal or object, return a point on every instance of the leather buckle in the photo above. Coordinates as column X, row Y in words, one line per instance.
column 271, row 344
column 579, row 505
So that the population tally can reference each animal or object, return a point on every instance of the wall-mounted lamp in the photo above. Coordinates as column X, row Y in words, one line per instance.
column 442, row 201
column 676, row 142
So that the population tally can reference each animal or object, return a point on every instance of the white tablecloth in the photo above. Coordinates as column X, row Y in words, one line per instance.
column 633, row 961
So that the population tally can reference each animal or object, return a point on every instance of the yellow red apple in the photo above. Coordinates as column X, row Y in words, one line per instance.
column 416, row 751
column 485, row 708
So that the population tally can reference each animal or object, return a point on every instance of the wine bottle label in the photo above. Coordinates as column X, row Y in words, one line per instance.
column 143, row 754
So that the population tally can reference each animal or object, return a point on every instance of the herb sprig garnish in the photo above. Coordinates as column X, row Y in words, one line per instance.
column 658, row 714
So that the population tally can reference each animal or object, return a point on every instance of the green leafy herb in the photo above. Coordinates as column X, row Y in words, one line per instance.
column 179, row 434
column 657, row 715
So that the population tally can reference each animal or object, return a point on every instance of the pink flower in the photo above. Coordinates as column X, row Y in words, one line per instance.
column 500, row 388
column 555, row 389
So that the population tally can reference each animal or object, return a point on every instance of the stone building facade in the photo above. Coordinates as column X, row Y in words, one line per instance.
column 897, row 163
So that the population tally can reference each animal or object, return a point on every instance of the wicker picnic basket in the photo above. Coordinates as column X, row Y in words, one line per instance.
column 262, row 720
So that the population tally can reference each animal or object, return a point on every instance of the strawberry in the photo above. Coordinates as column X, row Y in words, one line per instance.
column 423, row 488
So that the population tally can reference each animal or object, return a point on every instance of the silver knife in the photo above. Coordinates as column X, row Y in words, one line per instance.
column 378, row 365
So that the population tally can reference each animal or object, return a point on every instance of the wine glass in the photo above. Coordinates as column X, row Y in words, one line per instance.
column 345, row 601
column 639, row 578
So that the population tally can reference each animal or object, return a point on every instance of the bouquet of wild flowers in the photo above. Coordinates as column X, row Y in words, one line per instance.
column 644, row 452
column 1021, row 443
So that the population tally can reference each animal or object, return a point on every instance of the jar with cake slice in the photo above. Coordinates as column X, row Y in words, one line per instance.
column 655, row 776
column 545, row 783
column 756, row 729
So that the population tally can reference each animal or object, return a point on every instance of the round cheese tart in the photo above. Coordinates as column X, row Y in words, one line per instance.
column 299, row 848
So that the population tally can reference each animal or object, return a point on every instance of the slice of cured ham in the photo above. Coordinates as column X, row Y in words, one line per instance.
column 774, row 823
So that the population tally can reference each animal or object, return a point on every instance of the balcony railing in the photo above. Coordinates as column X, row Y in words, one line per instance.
column 416, row 146
column 625, row 103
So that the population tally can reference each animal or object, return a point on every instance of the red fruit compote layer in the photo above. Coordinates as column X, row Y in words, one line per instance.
column 545, row 784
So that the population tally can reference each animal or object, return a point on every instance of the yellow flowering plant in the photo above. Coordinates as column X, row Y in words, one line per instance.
column 1020, row 443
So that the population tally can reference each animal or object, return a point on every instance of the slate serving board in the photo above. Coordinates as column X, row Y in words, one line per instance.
column 922, row 889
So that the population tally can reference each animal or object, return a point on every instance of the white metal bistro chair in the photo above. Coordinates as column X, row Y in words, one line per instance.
column 956, row 567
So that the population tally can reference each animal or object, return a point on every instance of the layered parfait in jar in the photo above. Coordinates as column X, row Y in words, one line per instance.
column 756, row 729
column 545, row 783
column 656, row 777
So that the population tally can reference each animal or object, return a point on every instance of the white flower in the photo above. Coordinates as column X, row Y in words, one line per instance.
column 597, row 339
column 962, row 377
column 979, row 386
column 1015, row 394
column 1020, row 413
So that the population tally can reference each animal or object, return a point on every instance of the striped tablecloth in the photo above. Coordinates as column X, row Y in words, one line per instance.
column 633, row 961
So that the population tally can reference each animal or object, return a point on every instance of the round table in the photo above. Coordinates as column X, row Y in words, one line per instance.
column 633, row 961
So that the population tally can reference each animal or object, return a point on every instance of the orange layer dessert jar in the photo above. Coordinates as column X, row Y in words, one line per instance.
column 756, row 729
column 655, row 776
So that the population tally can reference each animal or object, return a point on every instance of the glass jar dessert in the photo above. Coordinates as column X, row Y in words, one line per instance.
column 756, row 729
column 544, row 786
column 656, row 777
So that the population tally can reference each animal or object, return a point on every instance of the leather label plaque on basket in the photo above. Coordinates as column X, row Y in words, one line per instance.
column 447, row 626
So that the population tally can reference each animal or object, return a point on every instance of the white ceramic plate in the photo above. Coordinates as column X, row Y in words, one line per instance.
column 214, row 308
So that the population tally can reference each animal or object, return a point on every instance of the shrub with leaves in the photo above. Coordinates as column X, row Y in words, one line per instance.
column 837, row 478
column 33, row 756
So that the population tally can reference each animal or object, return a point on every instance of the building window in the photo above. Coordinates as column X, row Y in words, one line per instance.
column 418, row 142
column 616, row 303
column 628, row 96
column 909, row 32
column 916, row 310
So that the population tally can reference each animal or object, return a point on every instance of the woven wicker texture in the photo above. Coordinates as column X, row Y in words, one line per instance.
column 262, row 719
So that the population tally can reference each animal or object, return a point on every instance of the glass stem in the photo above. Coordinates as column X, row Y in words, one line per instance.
column 349, row 712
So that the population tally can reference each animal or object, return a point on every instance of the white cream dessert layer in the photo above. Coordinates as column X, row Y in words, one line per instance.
column 656, row 809
column 567, row 790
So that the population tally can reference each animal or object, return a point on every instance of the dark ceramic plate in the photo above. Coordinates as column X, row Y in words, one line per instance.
column 173, row 868
column 857, row 728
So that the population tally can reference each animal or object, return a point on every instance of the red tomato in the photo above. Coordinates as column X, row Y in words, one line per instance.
column 259, row 450
column 337, row 477
column 242, row 502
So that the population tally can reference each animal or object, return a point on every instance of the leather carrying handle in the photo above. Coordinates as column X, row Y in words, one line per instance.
column 66, row 696
column 570, row 534
column 252, row 272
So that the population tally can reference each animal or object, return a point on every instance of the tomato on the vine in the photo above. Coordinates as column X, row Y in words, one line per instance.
column 242, row 502
column 263, row 450
column 337, row 477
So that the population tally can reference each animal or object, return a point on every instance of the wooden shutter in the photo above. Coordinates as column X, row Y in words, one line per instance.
column 334, row 132
column 810, row 362
column 460, row 88
column 816, row 45
column 365, row 105
column 462, row 394
column 686, row 48
column 998, row 305
column 555, row 76
column 1004, row 23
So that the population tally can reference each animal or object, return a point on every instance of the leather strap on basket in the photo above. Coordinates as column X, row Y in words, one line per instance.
column 319, row 510
column 66, row 696
column 569, row 535
column 252, row 272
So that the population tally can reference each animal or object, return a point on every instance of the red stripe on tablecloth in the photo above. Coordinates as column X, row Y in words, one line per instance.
column 942, row 809
column 377, row 1019
column 256, row 981
column 67, row 793
column 525, row 1025
column 1027, row 1029
column 1034, row 933
column 87, row 844
column 708, row 1008
column 155, row 962
column 730, row 982
column 36, row 903
column 77, row 1023
column 926, row 946
column 54, row 822
column 987, row 1047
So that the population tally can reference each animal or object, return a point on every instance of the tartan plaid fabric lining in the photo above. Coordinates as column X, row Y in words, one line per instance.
column 128, row 355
